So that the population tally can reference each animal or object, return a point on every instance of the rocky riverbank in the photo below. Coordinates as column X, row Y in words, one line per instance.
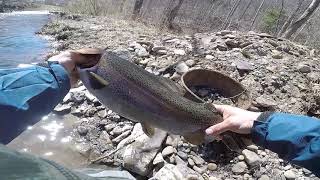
column 280, row 75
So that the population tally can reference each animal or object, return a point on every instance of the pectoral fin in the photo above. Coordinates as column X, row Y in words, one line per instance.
column 147, row 129
column 233, row 142
column 195, row 138
column 96, row 81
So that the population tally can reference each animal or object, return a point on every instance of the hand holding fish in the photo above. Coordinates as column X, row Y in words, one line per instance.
column 72, row 59
column 234, row 119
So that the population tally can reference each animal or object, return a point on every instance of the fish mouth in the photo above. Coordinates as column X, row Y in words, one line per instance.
column 90, row 56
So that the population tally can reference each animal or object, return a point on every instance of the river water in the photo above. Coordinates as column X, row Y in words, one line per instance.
column 51, row 137
column 18, row 42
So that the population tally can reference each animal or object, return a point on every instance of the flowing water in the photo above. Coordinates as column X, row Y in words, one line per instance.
column 18, row 42
column 51, row 137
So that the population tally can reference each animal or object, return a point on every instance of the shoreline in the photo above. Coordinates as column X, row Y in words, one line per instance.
column 281, row 76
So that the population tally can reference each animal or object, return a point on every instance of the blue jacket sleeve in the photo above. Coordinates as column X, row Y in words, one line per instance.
column 295, row 138
column 27, row 94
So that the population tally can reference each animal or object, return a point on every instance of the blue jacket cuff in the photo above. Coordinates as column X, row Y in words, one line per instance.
column 62, row 77
column 260, row 129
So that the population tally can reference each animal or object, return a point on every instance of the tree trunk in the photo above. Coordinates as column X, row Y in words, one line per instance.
column 229, row 21
column 94, row 7
column 122, row 6
column 290, row 19
column 280, row 14
column 245, row 10
column 302, row 28
column 257, row 13
column 137, row 8
column 303, row 19
column 171, row 15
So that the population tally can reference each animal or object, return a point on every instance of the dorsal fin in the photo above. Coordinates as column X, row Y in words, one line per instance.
column 171, row 85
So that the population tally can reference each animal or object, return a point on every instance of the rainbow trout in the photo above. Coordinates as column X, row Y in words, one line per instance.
column 154, row 101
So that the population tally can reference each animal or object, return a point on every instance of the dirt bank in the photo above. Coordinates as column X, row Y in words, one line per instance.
column 281, row 76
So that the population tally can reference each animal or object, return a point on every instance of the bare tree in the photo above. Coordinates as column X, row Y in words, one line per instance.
column 303, row 19
column 122, row 6
column 137, row 8
column 302, row 28
column 257, row 13
column 171, row 14
column 94, row 7
column 279, row 17
column 227, row 22
column 245, row 10
column 290, row 19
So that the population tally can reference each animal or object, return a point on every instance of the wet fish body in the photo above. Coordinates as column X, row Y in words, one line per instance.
column 143, row 97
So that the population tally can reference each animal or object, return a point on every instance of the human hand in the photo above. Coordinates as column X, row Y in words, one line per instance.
column 70, row 60
column 234, row 119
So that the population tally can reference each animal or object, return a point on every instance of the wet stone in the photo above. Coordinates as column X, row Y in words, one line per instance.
column 83, row 149
column 82, row 130
column 182, row 68
column 109, row 127
column 168, row 151
column 197, row 160
column 264, row 177
column 290, row 175
column 62, row 109
column 251, row 157
column 142, row 52
column 212, row 166
column 180, row 52
column 102, row 113
column 67, row 98
column 158, row 159
column 222, row 47
column 241, row 157
column 192, row 177
column 172, row 159
column 191, row 162
column 243, row 65
column 253, row 147
column 183, row 155
column 200, row 170
column 209, row 57
column 304, row 68
column 190, row 62
column 276, row 54
column 239, row 168
column 77, row 97
column 213, row 178
column 264, row 102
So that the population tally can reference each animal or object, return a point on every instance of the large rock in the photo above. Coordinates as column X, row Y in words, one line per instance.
column 304, row 68
column 138, row 156
column 168, row 172
column 107, row 174
column 290, row 175
column 197, row 160
column 243, row 65
column 265, row 102
column 180, row 52
column 168, row 151
column 182, row 68
column 62, row 109
column 251, row 157
column 239, row 168
column 142, row 52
